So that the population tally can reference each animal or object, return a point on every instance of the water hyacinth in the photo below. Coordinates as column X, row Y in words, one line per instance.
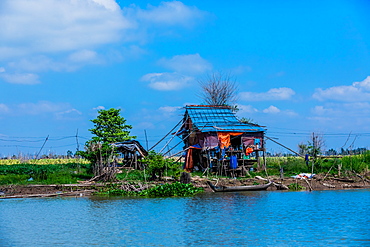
column 174, row 189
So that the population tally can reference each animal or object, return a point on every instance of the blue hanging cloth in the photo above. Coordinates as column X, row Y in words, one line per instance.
column 233, row 162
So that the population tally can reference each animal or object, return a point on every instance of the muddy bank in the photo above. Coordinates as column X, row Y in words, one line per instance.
column 52, row 190
column 319, row 182
column 316, row 183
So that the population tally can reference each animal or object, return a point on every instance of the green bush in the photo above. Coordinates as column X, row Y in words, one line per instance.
column 165, row 190
column 169, row 190
column 157, row 165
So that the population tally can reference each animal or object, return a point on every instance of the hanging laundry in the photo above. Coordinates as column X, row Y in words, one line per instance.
column 248, row 151
column 224, row 138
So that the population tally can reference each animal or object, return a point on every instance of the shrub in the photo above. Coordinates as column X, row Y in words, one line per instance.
column 157, row 165
column 175, row 189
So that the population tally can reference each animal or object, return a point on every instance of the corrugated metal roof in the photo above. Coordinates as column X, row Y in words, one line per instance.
column 218, row 118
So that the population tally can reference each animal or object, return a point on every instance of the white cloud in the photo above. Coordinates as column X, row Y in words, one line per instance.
column 99, row 108
column 169, row 109
column 282, row 93
column 83, row 56
column 321, row 110
column 272, row 109
column 54, row 26
column 192, row 63
column 108, row 4
column 343, row 110
column 350, row 116
column 40, row 63
column 170, row 13
column 55, row 35
column 42, row 107
column 275, row 110
column 4, row 108
column 347, row 117
column 166, row 81
column 69, row 114
column 20, row 78
column 358, row 91
column 63, row 35
column 365, row 84
column 246, row 109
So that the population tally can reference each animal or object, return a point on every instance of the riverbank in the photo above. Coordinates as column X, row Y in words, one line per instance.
column 318, row 182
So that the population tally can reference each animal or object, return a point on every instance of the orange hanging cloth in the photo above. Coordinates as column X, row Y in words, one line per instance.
column 189, row 163
column 224, row 138
column 248, row 151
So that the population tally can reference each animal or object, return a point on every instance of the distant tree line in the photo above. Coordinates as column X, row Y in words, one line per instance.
column 345, row 151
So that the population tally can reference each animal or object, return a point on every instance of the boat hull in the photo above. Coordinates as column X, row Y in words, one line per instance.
column 238, row 188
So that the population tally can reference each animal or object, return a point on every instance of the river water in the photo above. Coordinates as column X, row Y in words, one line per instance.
column 319, row 218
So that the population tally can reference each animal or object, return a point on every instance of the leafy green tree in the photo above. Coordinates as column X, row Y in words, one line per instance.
column 109, row 127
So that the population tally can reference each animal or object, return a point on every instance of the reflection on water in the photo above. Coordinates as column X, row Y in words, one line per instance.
column 339, row 218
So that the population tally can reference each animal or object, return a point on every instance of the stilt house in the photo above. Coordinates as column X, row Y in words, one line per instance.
column 132, row 153
column 215, row 139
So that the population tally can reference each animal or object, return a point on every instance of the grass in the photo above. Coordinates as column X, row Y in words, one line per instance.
column 295, row 165
column 44, row 174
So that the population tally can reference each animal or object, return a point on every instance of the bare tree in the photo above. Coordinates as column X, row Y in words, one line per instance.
column 218, row 89
column 316, row 144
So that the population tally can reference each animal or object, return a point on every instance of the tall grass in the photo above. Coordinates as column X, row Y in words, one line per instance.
column 356, row 163
column 44, row 174
column 43, row 161
column 293, row 165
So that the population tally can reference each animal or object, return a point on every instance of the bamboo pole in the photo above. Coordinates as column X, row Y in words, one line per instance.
column 285, row 147
column 165, row 135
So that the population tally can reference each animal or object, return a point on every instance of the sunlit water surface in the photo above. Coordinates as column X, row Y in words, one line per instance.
column 319, row 218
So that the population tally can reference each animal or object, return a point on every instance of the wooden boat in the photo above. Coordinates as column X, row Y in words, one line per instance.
column 239, row 188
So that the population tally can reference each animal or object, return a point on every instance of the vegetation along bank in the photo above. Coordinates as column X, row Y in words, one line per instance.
column 74, row 177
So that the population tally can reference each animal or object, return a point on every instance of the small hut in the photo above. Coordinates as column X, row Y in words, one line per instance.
column 215, row 139
column 132, row 152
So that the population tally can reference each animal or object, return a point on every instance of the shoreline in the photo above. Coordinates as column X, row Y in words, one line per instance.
column 87, row 189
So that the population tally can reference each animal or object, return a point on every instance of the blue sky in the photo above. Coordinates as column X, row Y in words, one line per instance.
column 301, row 67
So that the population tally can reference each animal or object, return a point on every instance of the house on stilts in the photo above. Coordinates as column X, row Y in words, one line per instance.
column 215, row 139
column 132, row 153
